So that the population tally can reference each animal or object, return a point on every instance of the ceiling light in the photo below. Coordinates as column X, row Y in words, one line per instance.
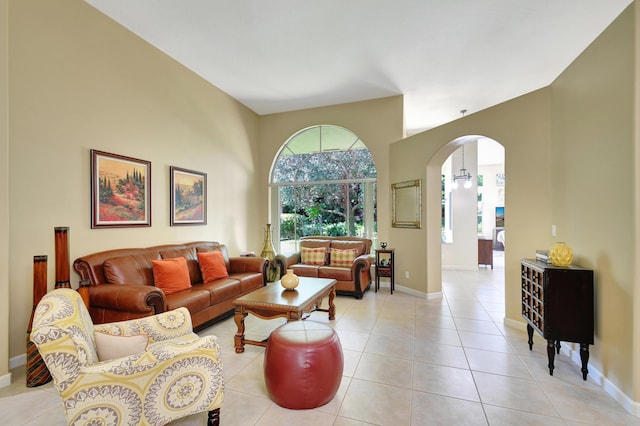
column 464, row 174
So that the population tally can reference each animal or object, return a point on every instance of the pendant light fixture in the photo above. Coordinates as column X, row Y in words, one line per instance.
column 464, row 174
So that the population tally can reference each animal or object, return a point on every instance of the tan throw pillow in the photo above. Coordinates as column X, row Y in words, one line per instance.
column 171, row 275
column 342, row 258
column 110, row 346
column 313, row 256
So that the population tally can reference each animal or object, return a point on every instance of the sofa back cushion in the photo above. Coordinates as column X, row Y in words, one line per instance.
column 189, row 253
column 358, row 246
column 131, row 269
column 311, row 251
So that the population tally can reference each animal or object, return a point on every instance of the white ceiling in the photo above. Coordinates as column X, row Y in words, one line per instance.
column 443, row 56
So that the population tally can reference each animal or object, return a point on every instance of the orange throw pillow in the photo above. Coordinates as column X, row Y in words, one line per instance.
column 171, row 275
column 212, row 265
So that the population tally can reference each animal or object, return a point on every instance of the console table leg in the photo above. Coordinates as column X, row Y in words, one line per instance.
column 332, row 305
column 530, row 333
column 584, row 356
column 551, row 353
column 557, row 346
column 239, row 337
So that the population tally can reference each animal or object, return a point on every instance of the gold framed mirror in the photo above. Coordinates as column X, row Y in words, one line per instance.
column 406, row 204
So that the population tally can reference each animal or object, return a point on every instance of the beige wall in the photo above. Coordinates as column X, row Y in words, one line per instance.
column 522, row 127
column 568, row 161
column 592, row 195
column 4, row 195
column 377, row 122
column 80, row 81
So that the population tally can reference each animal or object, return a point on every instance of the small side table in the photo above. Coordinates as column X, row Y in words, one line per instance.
column 384, row 266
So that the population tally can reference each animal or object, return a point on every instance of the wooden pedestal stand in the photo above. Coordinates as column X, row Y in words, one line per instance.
column 62, row 257
column 37, row 372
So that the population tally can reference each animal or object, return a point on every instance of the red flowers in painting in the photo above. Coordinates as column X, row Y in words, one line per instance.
column 122, row 199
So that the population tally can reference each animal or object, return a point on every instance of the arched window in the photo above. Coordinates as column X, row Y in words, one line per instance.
column 323, row 182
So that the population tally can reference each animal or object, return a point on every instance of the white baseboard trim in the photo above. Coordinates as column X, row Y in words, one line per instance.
column 412, row 292
column 5, row 380
column 460, row 268
column 17, row 361
column 14, row 362
column 596, row 375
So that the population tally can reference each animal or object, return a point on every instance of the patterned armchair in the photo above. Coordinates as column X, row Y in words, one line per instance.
column 178, row 374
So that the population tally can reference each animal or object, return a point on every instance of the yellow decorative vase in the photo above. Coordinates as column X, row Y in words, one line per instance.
column 289, row 280
column 561, row 254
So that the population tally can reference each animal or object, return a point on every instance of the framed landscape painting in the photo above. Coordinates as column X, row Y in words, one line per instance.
column 120, row 191
column 188, row 197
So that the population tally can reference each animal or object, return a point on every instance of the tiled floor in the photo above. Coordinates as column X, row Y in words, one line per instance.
column 408, row 361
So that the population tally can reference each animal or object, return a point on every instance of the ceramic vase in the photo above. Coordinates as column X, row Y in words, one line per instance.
column 561, row 254
column 289, row 280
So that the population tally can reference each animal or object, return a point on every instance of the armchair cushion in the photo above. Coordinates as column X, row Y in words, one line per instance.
column 110, row 346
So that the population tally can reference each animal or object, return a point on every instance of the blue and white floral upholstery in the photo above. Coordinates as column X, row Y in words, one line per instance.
column 179, row 373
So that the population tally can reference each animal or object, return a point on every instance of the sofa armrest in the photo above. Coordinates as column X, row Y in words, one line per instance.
column 286, row 260
column 141, row 300
column 363, row 261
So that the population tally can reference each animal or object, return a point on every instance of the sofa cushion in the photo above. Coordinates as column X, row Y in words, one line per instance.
column 195, row 299
column 313, row 256
column 171, row 275
column 212, row 266
column 341, row 258
column 338, row 274
column 130, row 269
column 359, row 246
column 188, row 253
column 305, row 270
column 222, row 289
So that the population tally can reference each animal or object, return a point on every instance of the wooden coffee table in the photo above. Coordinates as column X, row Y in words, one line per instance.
column 274, row 301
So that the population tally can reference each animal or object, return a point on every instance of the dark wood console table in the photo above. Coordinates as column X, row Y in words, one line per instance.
column 557, row 302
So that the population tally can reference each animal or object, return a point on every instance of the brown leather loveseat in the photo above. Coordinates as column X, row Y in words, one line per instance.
column 345, row 259
column 122, row 282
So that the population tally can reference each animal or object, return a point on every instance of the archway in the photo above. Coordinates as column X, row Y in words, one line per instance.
column 487, row 199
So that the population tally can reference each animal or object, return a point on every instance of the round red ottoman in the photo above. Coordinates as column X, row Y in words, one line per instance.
column 303, row 365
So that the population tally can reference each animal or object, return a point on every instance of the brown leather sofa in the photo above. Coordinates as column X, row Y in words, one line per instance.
column 122, row 285
column 352, row 280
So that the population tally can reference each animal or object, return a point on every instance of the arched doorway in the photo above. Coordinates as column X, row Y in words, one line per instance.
column 473, row 188
column 482, row 202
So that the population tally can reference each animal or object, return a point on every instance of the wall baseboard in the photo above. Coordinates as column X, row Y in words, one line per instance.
column 596, row 375
column 5, row 380
column 413, row 292
column 17, row 361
